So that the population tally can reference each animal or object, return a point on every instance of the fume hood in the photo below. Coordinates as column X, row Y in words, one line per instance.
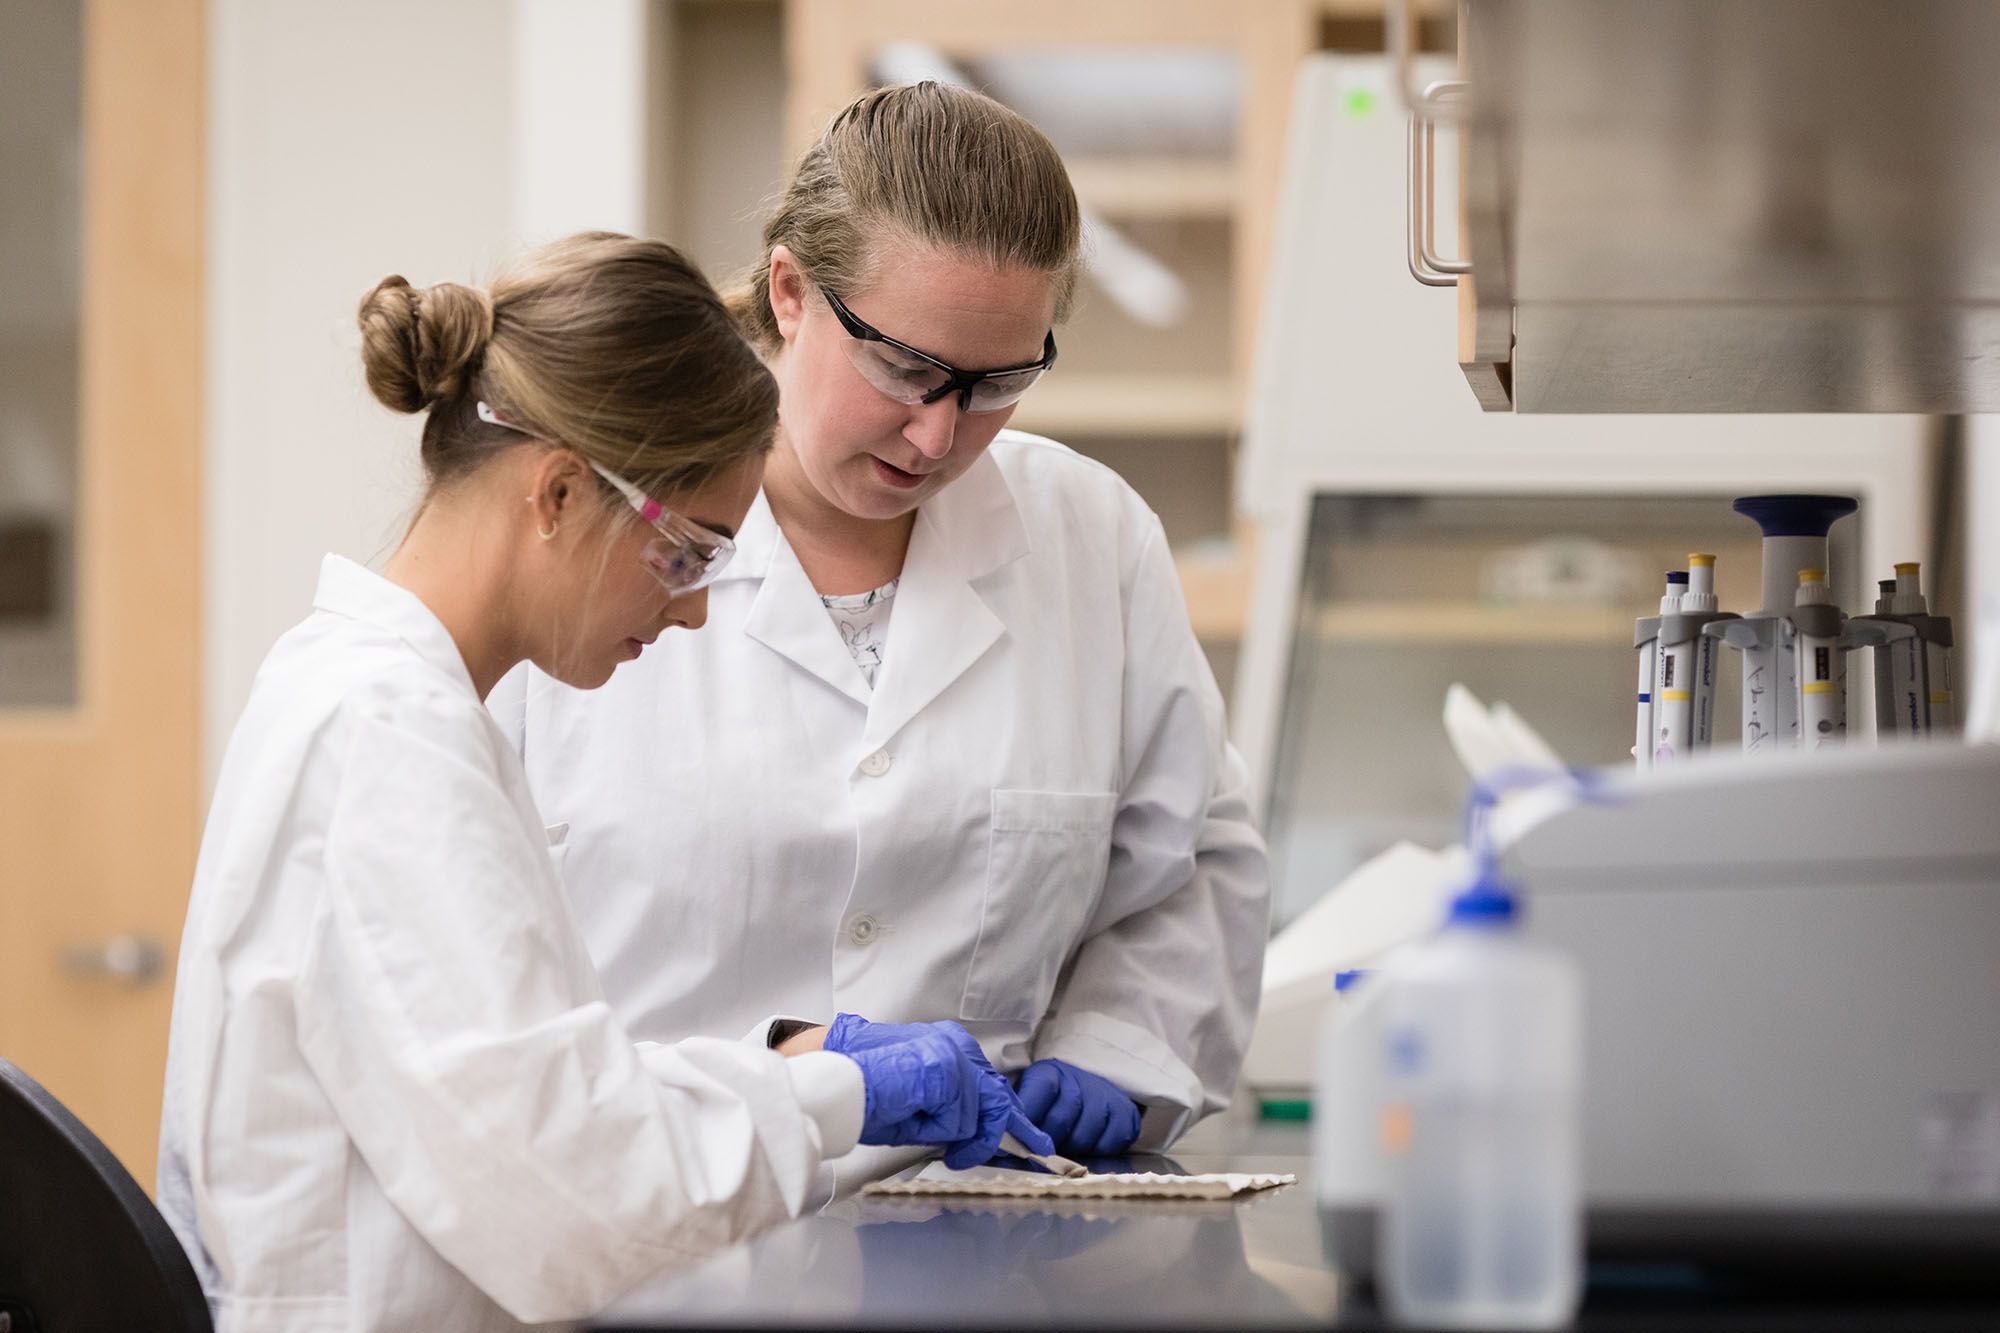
column 1407, row 540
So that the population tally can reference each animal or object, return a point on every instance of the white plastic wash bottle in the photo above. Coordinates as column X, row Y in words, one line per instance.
column 1482, row 1043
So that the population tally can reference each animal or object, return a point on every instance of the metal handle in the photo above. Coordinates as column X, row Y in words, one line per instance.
column 1425, row 265
column 130, row 960
column 1401, row 34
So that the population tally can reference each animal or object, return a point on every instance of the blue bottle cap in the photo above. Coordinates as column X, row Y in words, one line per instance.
column 1795, row 515
column 1677, row 576
column 1488, row 902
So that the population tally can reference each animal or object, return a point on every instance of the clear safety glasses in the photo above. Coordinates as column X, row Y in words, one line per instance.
column 686, row 557
column 906, row 375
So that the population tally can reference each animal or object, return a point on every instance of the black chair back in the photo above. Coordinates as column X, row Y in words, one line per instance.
column 81, row 1246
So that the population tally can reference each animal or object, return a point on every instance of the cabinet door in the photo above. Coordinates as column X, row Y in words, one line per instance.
column 100, row 542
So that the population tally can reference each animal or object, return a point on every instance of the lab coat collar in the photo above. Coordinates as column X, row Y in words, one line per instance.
column 354, row 591
column 975, row 522
column 757, row 543
column 787, row 618
column 963, row 533
column 968, row 530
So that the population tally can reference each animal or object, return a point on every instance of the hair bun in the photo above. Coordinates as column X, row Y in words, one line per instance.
column 422, row 346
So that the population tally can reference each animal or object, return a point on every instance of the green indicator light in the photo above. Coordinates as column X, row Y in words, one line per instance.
column 1360, row 102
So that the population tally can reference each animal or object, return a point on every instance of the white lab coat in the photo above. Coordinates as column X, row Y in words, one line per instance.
column 395, row 1096
column 1033, row 824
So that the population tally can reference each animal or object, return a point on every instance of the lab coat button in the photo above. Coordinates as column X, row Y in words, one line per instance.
column 875, row 765
column 863, row 929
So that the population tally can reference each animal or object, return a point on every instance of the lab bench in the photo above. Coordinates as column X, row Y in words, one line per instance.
column 1253, row 1263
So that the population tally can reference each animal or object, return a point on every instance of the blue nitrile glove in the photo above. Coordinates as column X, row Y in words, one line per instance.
column 849, row 1033
column 933, row 1085
column 1086, row 1115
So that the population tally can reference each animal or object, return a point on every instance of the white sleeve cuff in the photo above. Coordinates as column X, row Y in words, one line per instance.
column 830, row 1089
column 760, row 1036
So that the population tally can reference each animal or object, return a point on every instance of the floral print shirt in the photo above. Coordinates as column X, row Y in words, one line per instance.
column 863, row 621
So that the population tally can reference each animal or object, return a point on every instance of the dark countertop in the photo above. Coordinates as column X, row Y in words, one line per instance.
column 1253, row 1263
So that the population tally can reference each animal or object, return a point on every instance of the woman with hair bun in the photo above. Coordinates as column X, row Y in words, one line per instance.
column 396, row 1098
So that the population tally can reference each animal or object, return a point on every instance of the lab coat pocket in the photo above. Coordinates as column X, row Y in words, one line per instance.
column 1045, row 864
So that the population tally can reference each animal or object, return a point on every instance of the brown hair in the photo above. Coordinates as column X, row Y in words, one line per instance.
column 609, row 345
column 923, row 162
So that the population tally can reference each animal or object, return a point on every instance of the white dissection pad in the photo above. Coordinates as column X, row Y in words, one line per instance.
column 1003, row 1182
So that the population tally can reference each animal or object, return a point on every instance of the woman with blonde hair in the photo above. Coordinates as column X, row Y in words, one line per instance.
column 950, row 740
column 396, row 1098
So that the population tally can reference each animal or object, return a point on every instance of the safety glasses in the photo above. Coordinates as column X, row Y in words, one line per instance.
column 906, row 375
column 686, row 557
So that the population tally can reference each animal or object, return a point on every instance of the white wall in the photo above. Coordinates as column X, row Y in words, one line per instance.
column 580, row 123
column 347, row 142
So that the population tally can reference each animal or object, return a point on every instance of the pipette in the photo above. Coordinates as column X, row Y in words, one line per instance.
column 1822, row 664
column 1673, row 711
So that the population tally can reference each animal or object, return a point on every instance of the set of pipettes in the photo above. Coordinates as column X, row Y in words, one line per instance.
column 1793, row 651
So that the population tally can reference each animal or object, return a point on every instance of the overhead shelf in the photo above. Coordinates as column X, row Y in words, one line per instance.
column 1157, row 187
column 1472, row 622
column 1215, row 580
column 1132, row 404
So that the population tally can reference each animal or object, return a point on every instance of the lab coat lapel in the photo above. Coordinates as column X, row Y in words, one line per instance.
column 787, row 616
column 941, row 624
column 359, row 593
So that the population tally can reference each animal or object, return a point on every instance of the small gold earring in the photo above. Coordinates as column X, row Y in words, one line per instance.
column 548, row 533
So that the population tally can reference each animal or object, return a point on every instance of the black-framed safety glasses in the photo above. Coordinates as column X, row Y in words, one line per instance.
column 907, row 375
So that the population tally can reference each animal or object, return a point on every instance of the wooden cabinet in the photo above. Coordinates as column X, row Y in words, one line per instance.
column 1162, row 403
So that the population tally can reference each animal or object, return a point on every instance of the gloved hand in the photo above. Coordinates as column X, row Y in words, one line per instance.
column 849, row 1033
column 1086, row 1115
column 934, row 1085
